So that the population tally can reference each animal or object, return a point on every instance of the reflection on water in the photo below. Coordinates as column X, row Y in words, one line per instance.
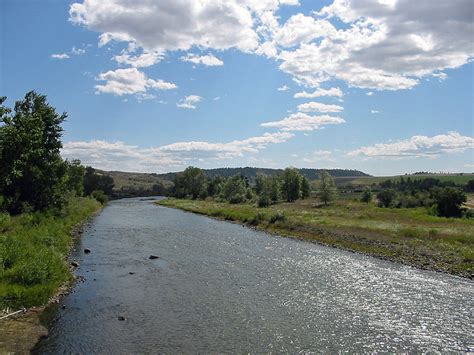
column 220, row 287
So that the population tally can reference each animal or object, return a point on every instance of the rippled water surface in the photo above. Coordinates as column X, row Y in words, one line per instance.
column 220, row 287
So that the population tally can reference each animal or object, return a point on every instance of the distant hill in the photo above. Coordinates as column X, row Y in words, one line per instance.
column 251, row 172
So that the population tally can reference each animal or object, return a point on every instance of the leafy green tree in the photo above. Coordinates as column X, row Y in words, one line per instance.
column 291, row 184
column 75, row 172
column 275, row 190
column 234, row 189
column 367, row 195
column 327, row 187
column 305, row 188
column 470, row 186
column 191, row 183
column 386, row 197
column 448, row 201
column 31, row 170
column 214, row 186
column 94, row 181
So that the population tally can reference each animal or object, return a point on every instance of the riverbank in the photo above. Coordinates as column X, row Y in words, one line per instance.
column 33, row 267
column 409, row 236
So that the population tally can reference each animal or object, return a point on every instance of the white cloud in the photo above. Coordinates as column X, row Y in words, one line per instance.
column 303, row 122
column 145, row 59
column 60, row 56
column 318, row 156
column 169, row 24
column 319, row 107
column 370, row 93
column 78, row 51
column 418, row 146
column 129, row 81
column 319, row 92
column 283, row 88
column 374, row 111
column 385, row 47
column 189, row 102
column 124, row 157
column 217, row 98
column 208, row 60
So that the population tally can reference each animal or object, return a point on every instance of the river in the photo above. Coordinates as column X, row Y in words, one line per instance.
column 220, row 287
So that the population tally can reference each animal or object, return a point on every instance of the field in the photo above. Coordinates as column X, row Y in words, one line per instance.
column 461, row 179
column 134, row 181
column 33, row 253
column 410, row 236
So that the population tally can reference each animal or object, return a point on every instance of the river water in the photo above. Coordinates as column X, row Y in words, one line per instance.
column 220, row 287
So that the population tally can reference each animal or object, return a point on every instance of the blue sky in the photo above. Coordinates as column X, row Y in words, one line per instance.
column 158, row 85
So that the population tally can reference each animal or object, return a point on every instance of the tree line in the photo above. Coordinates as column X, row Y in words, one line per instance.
column 33, row 175
column 442, row 198
column 288, row 186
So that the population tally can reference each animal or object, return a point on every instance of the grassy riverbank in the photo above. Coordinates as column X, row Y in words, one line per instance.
column 410, row 236
column 33, row 252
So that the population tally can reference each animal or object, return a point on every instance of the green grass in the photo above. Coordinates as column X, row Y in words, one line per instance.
column 33, row 252
column 411, row 236
column 369, row 180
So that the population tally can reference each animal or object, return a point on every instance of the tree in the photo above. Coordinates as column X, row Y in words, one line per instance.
column 31, row 171
column 386, row 197
column 75, row 176
column 94, row 181
column 291, row 184
column 470, row 186
column 305, row 188
column 234, row 189
column 327, row 187
column 448, row 201
column 191, row 183
column 367, row 195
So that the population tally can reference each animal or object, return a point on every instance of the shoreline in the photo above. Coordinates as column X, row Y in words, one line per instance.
column 24, row 330
column 337, row 239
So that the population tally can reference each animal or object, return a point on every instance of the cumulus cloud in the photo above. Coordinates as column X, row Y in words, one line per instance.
column 418, row 146
column 283, row 88
column 189, row 102
column 145, row 59
column 319, row 107
column 319, row 156
column 129, row 81
column 384, row 47
column 169, row 24
column 207, row 60
column 374, row 111
column 120, row 156
column 319, row 92
column 303, row 122
column 60, row 56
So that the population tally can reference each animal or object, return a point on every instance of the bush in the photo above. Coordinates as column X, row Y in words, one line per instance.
column 279, row 216
column 258, row 219
column 448, row 201
column 100, row 196
column 264, row 200
column 386, row 197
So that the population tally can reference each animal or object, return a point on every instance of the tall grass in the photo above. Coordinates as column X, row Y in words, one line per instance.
column 33, row 252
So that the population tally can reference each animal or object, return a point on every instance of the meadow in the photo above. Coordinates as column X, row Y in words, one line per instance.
column 410, row 236
column 33, row 252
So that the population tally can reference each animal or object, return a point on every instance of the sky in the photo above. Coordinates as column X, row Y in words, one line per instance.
column 382, row 86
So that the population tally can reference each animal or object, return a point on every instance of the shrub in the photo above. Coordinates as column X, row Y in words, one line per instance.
column 386, row 197
column 279, row 216
column 448, row 201
column 100, row 196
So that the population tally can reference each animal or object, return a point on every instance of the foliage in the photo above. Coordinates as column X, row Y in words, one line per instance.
column 191, row 182
column 386, row 197
column 367, row 195
column 75, row 177
column 100, row 196
column 94, row 181
column 305, row 188
column 448, row 201
column 327, row 187
column 33, row 250
column 291, row 184
column 234, row 189
column 32, row 171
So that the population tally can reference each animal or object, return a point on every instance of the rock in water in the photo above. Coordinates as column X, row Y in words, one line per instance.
column 121, row 318
column 87, row 251
column 151, row 257
column 74, row 263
